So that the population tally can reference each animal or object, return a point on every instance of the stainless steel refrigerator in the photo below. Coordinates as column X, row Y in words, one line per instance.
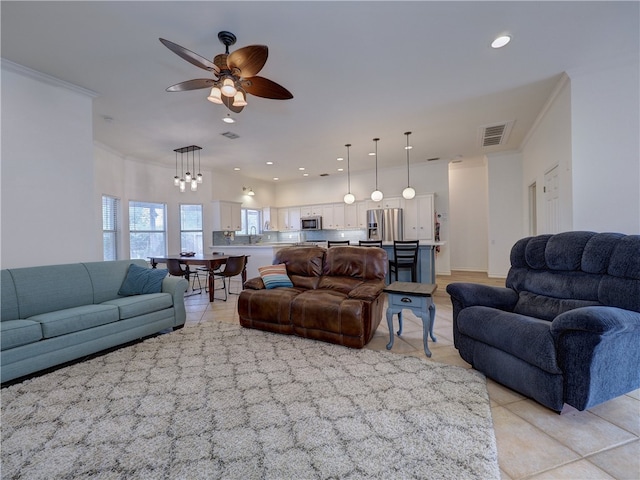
column 385, row 224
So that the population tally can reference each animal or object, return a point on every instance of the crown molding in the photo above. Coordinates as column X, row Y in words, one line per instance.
column 43, row 77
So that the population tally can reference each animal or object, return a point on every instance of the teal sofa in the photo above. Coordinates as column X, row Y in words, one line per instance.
column 54, row 314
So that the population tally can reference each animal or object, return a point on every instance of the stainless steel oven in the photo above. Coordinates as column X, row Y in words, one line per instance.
column 311, row 223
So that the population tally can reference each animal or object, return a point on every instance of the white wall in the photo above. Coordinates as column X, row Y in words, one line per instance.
column 606, row 151
column 468, row 184
column 505, row 222
column 548, row 145
column 48, row 213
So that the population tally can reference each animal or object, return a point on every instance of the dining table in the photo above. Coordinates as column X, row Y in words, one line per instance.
column 212, row 262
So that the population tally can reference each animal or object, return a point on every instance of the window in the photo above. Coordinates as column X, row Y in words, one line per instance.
column 110, row 227
column 147, row 229
column 191, row 228
column 250, row 222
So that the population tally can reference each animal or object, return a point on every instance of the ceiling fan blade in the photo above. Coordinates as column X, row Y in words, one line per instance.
column 191, row 85
column 228, row 101
column 263, row 87
column 249, row 60
column 190, row 57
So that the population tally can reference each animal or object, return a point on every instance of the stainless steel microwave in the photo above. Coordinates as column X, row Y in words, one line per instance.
column 311, row 223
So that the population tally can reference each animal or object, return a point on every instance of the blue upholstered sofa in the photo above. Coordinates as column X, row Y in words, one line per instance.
column 57, row 313
column 566, row 329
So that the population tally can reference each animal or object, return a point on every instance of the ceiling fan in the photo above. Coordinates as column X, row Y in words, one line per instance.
column 235, row 74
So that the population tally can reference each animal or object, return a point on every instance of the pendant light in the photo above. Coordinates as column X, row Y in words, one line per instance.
column 408, row 192
column 187, row 177
column 176, row 179
column 376, row 195
column 349, row 198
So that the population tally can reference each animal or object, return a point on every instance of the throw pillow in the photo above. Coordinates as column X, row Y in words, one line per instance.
column 141, row 280
column 274, row 276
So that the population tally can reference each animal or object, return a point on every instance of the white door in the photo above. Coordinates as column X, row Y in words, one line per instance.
column 552, row 200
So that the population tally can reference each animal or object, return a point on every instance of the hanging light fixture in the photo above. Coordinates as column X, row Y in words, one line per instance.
column 176, row 179
column 376, row 195
column 408, row 192
column 187, row 177
column 349, row 198
column 251, row 193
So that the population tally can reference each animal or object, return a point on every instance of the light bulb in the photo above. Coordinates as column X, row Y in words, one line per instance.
column 187, row 177
column 376, row 195
column 215, row 96
column 349, row 198
column 251, row 193
column 194, row 185
column 408, row 193
column 228, row 88
column 199, row 178
column 501, row 41
column 183, row 185
column 176, row 181
column 239, row 99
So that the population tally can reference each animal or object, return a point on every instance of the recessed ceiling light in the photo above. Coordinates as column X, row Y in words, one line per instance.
column 237, row 169
column 228, row 119
column 301, row 168
column 501, row 41
column 305, row 174
column 340, row 159
column 341, row 169
column 269, row 163
column 372, row 154
column 276, row 178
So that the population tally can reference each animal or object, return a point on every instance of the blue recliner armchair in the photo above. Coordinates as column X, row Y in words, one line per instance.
column 566, row 329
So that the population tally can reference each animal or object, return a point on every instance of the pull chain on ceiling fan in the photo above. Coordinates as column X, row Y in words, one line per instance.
column 235, row 74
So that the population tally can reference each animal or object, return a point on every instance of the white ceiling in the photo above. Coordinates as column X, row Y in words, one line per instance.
column 357, row 70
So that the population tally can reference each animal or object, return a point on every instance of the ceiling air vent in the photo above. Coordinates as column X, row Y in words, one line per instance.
column 230, row 135
column 496, row 134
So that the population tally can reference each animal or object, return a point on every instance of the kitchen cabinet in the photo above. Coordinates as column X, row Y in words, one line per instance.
column 393, row 202
column 418, row 216
column 333, row 216
column 311, row 210
column 355, row 215
column 362, row 214
column 269, row 219
column 226, row 216
column 289, row 218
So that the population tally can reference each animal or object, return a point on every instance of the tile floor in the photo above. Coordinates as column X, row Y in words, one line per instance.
column 534, row 443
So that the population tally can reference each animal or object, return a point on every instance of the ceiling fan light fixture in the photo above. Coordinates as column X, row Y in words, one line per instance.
column 228, row 119
column 228, row 88
column 239, row 99
column 215, row 96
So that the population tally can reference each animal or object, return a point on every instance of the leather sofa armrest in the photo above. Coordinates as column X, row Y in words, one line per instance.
column 368, row 290
column 599, row 320
column 473, row 294
column 254, row 284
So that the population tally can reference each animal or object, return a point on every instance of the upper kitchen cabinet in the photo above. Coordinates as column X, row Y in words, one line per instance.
column 226, row 216
column 269, row 219
column 289, row 218
column 393, row 202
column 418, row 215
column 333, row 216
column 311, row 210
column 355, row 215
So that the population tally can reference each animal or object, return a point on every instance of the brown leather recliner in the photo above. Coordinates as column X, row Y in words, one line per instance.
column 336, row 296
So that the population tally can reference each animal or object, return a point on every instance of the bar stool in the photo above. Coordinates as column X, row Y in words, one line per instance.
column 370, row 243
column 191, row 276
column 334, row 243
column 405, row 255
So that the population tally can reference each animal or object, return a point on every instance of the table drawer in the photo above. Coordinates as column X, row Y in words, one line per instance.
column 407, row 301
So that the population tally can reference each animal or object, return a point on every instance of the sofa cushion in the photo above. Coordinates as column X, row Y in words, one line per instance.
column 524, row 337
column 53, row 287
column 304, row 264
column 329, row 311
column 341, row 284
column 107, row 277
column 135, row 305
column 61, row 322
column 547, row 308
column 274, row 276
column 357, row 262
column 15, row 333
column 142, row 280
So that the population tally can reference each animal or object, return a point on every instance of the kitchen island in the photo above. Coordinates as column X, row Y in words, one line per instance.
column 262, row 254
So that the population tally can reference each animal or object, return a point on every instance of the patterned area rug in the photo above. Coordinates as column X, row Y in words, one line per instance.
column 221, row 401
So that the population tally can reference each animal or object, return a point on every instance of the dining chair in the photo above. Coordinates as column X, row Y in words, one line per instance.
column 175, row 270
column 334, row 243
column 370, row 243
column 234, row 266
column 405, row 256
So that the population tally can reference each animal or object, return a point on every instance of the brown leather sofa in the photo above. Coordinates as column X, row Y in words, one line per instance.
column 336, row 296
